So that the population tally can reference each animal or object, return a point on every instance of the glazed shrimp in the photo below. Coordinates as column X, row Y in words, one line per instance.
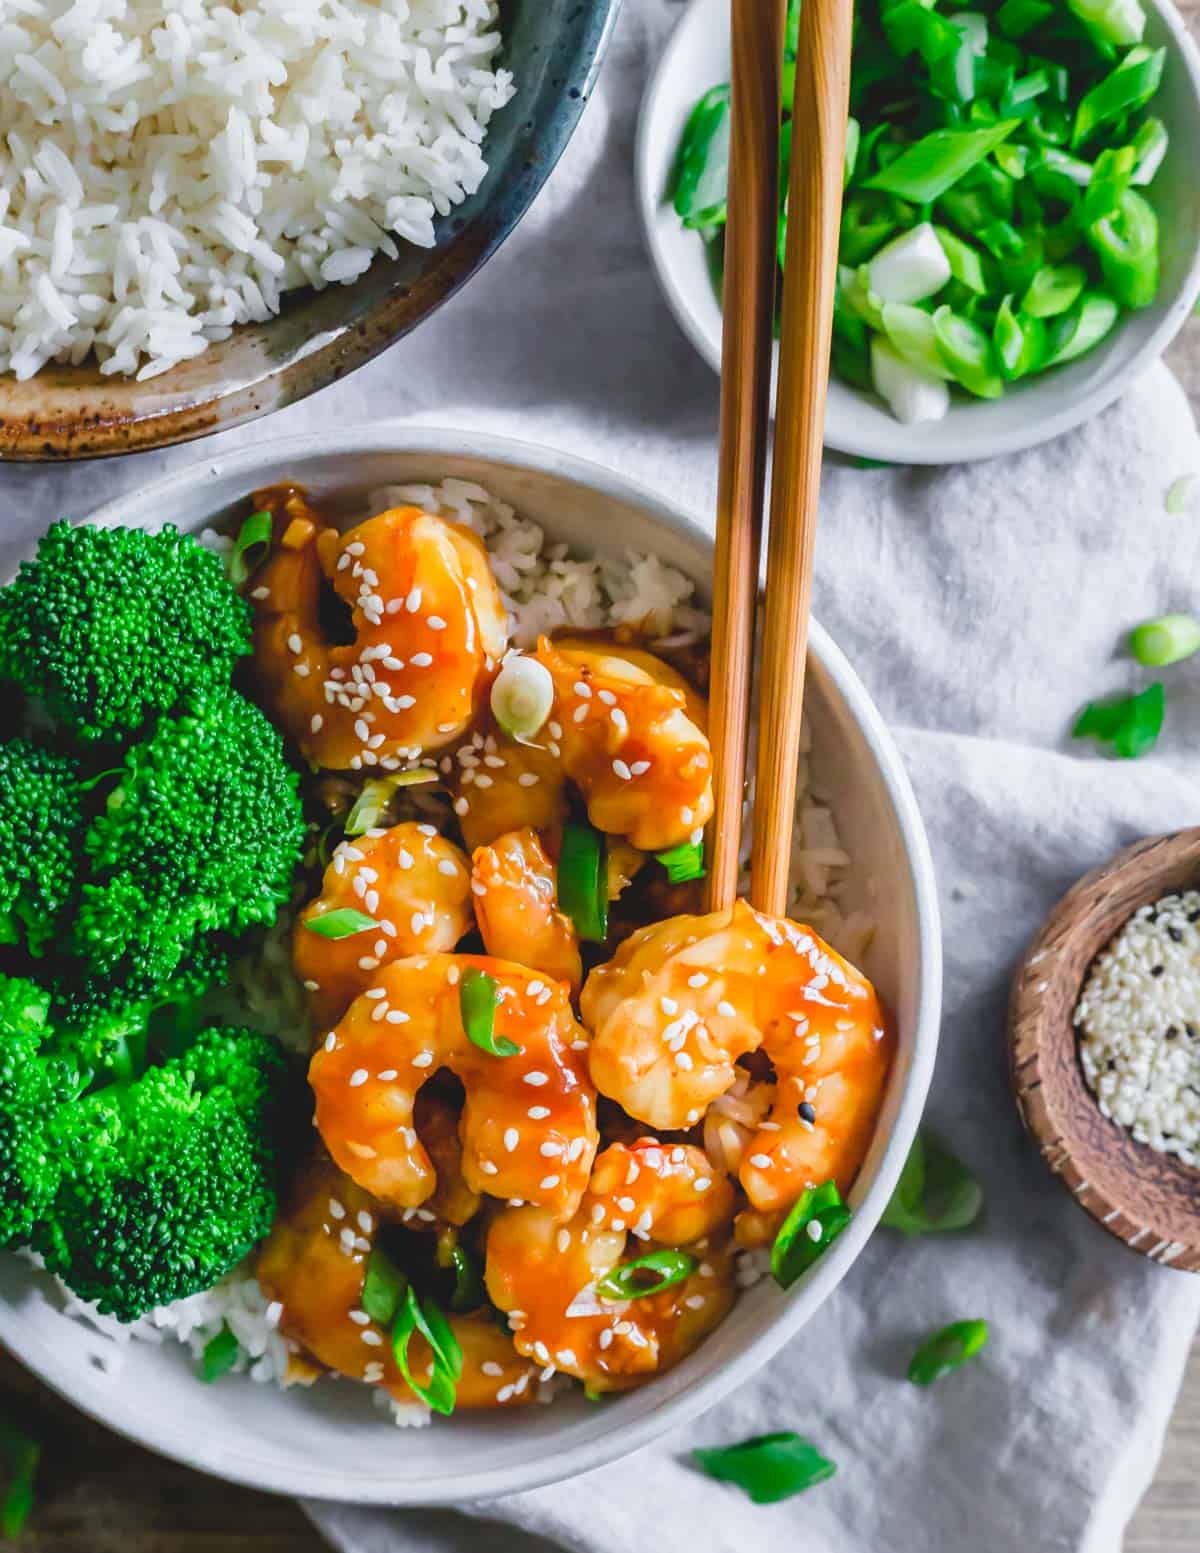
column 625, row 728
column 406, row 1027
column 314, row 1263
column 671, row 1013
column 453, row 1201
column 515, row 895
column 544, row 1276
column 641, row 762
column 415, row 885
column 429, row 627
column 710, row 989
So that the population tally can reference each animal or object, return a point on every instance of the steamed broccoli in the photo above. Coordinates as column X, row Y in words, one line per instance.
column 136, row 1191
column 199, row 838
column 107, row 626
column 41, row 828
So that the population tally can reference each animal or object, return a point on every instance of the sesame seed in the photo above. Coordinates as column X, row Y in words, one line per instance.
column 538, row 1113
column 622, row 770
column 701, row 1184
column 331, row 1040
column 761, row 1161
column 294, row 643
column 536, row 1078
column 695, row 1301
column 814, row 1230
column 360, row 1318
column 373, row 1339
column 606, row 1338
column 435, row 622
column 548, row 1183
column 581, row 688
column 511, row 1138
column 388, row 1074
column 413, row 602
column 397, row 1016
column 359, row 1076
column 490, row 1367
column 336, row 1209
column 368, row 962
column 550, row 1149
column 640, row 767
column 488, row 1168
column 317, row 723
column 423, row 1060
column 562, row 1240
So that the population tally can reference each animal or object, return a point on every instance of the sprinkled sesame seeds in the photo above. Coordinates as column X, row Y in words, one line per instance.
column 621, row 770
column 423, row 1060
column 548, row 1183
column 538, row 1113
column 761, row 1161
column 372, row 1339
column 511, row 1138
column 536, row 1078
column 359, row 1076
column 435, row 622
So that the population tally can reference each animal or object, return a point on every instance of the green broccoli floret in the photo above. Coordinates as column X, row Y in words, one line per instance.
column 137, row 1185
column 41, row 832
column 199, row 838
column 167, row 1182
column 108, row 626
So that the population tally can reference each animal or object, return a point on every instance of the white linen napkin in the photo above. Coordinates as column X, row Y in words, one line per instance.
column 981, row 605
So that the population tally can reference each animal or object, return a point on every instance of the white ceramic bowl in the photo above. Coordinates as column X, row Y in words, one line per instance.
column 331, row 1442
column 1033, row 411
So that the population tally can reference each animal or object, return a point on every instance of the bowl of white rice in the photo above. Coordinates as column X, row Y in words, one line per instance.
column 208, row 212
column 571, row 545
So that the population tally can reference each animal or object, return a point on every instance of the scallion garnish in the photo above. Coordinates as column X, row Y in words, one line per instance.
column 342, row 923
column 583, row 881
column 646, row 1275
column 817, row 1218
column 423, row 1316
column 768, row 1467
column 371, row 804
column 478, row 996
column 468, row 1285
column 20, row 1453
column 251, row 547
column 219, row 1356
column 947, row 1350
column 1170, row 638
column 383, row 1288
column 684, row 862
column 1180, row 491
column 936, row 1192
column 1131, row 724
column 522, row 696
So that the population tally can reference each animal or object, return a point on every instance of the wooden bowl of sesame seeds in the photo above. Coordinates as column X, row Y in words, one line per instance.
column 1147, row 1198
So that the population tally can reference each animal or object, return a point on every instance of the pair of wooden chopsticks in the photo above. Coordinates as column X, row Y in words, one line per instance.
column 819, row 115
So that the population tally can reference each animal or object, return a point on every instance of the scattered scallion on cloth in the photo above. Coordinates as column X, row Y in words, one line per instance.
column 936, row 1192
column 995, row 167
column 342, row 923
column 1180, row 493
column 767, row 1467
column 1130, row 724
column 20, row 1453
column 478, row 996
column 250, row 548
column 583, row 881
column 1170, row 638
column 219, row 1356
column 817, row 1218
column 947, row 1350
column 649, row 1274
column 684, row 862
column 423, row 1316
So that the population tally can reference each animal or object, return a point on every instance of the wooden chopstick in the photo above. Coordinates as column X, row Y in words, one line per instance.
column 819, row 110
column 756, row 33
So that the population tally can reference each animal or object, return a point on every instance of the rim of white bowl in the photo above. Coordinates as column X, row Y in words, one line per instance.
column 969, row 445
column 108, row 1404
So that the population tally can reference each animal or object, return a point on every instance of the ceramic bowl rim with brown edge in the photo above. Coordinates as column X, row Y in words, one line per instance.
column 1149, row 1200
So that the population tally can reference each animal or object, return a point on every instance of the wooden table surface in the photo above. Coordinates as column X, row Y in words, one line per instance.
column 98, row 1494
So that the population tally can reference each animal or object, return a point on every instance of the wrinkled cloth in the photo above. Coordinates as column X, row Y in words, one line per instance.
column 982, row 605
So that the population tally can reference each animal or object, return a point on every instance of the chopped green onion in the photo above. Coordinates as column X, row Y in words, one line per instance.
column 583, row 881
column 1169, row 639
column 371, row 804
column 911, row 394
column 1126, row 244
column 468, row 1286
column 967, row 351
column 936, row 1192
column 853, row 141
column 768, row 1467
column 700, row 178
column 909, row 268
column 478, row 996
column 1125, row 89
column 1054, row 289
column 684, row 862
column 666, row 1268
column 383, row 1288
column 1131, row 724
column 1111, row 175
column 966, row 263
column 343, row 923
column 947, row 1350
column 818, row 1217
column 251, row 547
column 423, row 1316
column 1017, row 17
column 934, row 164
column 1150, row 145
column 1077, row 331
column 21, row 1454
column 1179, row 493
column 1111, row 21
column 219, row 1356
column 911, row 331
column 522, row 696
column 1018, row 342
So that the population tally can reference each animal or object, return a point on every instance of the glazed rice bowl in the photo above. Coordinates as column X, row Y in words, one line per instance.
column 872, row 897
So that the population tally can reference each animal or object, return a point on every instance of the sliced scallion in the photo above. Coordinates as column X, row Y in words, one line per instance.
column 936, row 1192
column 935, row 163
column 383, row 1288
column 21, row 1454
column 342, row 923
column 371, row 804
column 817, row 1218
column 1179, row 494
column 423, row 1316
column 768, row 1467
column 947, row 1350
column 646, row 1275
column 250, row 548
column 478, row 998
column 522, row 696
column 1169, row 639
column 1131, row 724
column 583, row 881
column 219, row 1356
column 684, row 862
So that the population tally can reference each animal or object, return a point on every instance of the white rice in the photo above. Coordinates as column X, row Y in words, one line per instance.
column 545, row 589
column 169, row 168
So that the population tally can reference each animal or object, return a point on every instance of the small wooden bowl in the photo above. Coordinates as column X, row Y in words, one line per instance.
column 1151, row 1201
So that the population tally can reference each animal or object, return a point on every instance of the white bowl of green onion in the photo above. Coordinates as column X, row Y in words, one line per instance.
column 1021, row 223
